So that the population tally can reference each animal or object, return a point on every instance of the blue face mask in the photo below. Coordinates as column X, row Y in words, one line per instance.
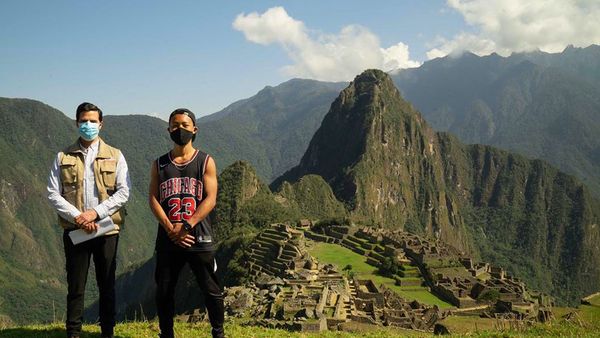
column 89, row 130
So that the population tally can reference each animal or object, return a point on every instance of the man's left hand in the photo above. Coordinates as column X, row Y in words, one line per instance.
column 86, row 217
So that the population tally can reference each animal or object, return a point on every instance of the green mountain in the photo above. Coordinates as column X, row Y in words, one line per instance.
column 31, row 249
column 31, row 240
column 390, row 168
column 537, row 104
column 271, row 129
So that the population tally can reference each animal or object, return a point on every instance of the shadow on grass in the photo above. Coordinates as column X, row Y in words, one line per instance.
column 45, row 333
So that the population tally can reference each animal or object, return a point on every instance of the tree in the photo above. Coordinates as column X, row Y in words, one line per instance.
column 348, row 270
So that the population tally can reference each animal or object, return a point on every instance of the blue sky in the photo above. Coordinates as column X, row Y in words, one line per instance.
column 150, row 57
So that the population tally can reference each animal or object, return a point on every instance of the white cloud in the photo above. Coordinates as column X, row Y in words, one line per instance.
column 506, row 26
column 397, row 56
column 327, row 57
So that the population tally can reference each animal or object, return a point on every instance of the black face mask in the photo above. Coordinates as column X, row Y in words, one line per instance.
column 182, row 136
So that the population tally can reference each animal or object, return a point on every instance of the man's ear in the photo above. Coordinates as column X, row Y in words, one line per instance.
column 100, row 125
column 195, row 129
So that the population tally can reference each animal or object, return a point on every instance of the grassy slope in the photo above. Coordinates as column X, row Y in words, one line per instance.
column 341, row 256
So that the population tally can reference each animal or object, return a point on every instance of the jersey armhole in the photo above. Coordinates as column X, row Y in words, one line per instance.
column 204, row 164
column 159, row 172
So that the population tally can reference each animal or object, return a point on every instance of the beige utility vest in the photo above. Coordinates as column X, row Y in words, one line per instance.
column 105, row 173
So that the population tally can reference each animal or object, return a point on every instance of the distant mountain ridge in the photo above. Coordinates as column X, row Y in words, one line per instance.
column 537, row 104
column 270, row 128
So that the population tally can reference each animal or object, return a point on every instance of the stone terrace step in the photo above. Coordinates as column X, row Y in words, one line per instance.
column 290, row 254
column 287, row 258
column 267, row 241
column 274, row 233
column 412, row 273
column 261, row 250
column 377, row 256
column 290, row 247
column 271, row 237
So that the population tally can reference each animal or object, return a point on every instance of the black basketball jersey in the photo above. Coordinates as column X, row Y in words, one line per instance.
column 181, row 190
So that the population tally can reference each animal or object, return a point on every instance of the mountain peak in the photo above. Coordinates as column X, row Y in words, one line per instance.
column 371, row 75
column 369, row 125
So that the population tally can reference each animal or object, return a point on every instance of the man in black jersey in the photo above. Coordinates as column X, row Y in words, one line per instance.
column 183, row 191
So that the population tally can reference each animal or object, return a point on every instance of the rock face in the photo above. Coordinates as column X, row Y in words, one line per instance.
column 390, row 168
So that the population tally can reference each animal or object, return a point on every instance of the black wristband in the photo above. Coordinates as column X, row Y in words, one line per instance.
column 186, row 225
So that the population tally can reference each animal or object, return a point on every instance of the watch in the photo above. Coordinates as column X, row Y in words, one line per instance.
column 187, row 226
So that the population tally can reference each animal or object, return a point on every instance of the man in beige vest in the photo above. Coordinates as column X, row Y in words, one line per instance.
column 88, row 187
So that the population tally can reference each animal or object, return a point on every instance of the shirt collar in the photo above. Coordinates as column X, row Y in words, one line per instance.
column 93, row 147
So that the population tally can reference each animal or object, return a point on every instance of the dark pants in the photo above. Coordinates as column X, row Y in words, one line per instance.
column 168, row 267
column 104, row 251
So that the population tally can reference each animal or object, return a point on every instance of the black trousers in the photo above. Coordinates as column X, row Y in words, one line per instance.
column 168, row 267
column 104, row 251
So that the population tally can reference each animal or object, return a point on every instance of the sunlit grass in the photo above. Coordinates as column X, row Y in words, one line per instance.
column 341, row 256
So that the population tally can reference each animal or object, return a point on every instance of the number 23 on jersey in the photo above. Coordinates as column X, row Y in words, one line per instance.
column 181, row 208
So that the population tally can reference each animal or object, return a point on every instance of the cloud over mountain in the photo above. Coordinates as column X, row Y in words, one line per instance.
column 317, row 55
column 507, row 26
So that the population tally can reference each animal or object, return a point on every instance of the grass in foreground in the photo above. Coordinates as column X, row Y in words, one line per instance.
column 197, row 330
column 588, row 325
column 584, row 323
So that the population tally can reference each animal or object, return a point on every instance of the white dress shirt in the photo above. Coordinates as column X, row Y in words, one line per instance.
column 67, row 210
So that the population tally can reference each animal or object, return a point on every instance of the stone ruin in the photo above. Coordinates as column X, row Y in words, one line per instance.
column 292, row 290
column 443, row 269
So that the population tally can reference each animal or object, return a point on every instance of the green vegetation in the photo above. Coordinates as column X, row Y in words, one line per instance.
column 341, row 257
column 313, row 198
column 489, row 296
column 389, row 267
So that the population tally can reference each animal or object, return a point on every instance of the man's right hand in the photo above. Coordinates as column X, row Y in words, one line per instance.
column 180, row 236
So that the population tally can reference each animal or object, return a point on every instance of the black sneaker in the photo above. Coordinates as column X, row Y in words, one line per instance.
column 218, row 333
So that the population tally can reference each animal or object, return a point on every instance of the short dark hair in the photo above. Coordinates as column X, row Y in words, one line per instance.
column 183, row 111
column 86, row 106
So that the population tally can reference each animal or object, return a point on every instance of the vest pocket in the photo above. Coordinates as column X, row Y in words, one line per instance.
column 108, row 169
column 68, row 171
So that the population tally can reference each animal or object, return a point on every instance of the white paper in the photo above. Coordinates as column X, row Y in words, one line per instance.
column 105, row 225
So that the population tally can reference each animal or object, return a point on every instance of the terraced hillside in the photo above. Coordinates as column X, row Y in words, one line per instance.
column 322, row 277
